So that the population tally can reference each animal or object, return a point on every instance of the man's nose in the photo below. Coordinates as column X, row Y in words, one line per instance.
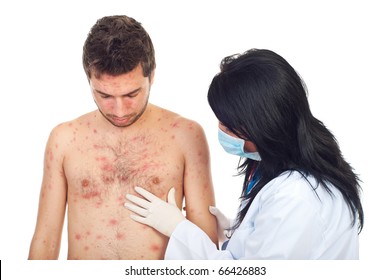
column 120, row 108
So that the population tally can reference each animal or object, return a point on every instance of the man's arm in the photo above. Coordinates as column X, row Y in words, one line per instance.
column 198, row 187
column 46, row 241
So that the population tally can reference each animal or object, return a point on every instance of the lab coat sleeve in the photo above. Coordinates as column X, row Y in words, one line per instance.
column 189, row 242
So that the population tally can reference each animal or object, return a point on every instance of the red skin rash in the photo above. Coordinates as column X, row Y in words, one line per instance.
column 155, row 247
column 174, row 125
column 88, row 191
column 100, row 183
column 51, row 156
column 91, row 194
column 121, row 200
column 120, row 236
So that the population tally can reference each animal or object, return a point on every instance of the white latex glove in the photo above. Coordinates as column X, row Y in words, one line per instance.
column 223, row 223
column 153, row 211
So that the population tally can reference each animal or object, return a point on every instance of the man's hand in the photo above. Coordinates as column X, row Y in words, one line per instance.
column 153, row 211
column 224, row 224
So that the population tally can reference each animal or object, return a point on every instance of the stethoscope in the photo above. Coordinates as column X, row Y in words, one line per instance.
column 253, row 179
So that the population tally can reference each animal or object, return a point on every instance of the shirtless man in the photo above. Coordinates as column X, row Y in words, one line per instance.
column 92, row 162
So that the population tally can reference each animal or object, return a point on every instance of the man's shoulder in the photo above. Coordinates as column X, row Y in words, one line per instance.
column 68, row 127
column 183, row 128
column 175, row 120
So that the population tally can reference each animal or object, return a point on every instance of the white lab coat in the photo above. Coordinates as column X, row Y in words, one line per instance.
column 287, row 220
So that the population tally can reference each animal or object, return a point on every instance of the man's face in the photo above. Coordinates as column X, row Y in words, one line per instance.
column 122, row 99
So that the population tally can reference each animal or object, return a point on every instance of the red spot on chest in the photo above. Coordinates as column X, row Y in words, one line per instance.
column 78, row 236
column 155, row 247
column 85, row 183
column 121, row 199
column 91, row 194
column 120, row 236
column 113, row 222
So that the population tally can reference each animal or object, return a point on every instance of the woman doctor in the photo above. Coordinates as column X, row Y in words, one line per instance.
column 300, row 198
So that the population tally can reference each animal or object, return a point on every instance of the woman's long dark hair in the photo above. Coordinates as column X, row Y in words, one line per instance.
column 260, row 97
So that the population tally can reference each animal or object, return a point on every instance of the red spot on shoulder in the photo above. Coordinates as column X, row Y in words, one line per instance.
column 78, row 236
column 113, row 222
column 99, row 237
column 86, row 248
column 94, row 131
column 174, row 125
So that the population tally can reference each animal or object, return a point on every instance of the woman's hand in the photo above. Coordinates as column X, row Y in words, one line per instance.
column 153, row 211
column 224, row 224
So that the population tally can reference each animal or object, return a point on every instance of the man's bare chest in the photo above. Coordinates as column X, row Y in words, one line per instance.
column 108, row 166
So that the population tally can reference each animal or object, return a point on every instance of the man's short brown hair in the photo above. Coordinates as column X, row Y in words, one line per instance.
column 116, row 45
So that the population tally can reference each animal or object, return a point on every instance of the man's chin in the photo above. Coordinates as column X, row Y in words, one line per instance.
column 123, row 123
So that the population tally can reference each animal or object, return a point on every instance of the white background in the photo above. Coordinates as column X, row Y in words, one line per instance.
column 340, row 48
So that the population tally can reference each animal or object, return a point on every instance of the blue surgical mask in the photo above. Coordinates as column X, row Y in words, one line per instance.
column 235, row 146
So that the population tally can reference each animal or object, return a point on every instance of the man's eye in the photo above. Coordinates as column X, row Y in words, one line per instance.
column 132, row 95
column 105, row 96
